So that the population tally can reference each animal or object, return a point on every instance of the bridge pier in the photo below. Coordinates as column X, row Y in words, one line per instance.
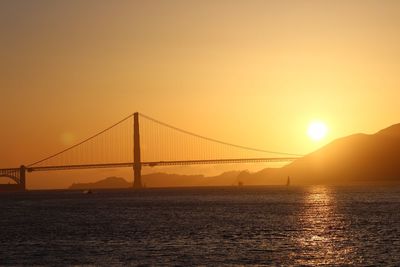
column 22, row 177
column 137, row 165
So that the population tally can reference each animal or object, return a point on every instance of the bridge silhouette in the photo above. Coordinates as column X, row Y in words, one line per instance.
column 130, row 143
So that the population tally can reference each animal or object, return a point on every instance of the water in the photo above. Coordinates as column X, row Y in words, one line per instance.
column 208, row 226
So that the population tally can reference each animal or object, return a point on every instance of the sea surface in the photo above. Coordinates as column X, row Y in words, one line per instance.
column 279, row 226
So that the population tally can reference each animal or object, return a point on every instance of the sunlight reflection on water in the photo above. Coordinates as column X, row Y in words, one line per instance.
column 323, row 229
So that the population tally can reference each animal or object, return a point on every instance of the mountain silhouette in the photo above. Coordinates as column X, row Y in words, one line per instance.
column 177, row 180
column 109, row 182
column 163, row 180
column 358, row 158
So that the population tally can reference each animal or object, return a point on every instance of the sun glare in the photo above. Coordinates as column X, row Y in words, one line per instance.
column 317, row 130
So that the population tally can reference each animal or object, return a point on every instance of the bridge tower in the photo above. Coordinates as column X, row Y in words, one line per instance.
column 137, row 165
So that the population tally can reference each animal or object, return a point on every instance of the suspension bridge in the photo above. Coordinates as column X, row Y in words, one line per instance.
column 140, row 141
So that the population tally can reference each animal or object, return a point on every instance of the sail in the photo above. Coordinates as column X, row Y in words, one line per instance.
column 288, row 181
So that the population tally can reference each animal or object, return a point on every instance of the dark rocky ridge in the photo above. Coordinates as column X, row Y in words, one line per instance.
column 109, row 182
column 164, row 180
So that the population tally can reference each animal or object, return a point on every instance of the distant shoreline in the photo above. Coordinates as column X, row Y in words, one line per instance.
column 395, row 184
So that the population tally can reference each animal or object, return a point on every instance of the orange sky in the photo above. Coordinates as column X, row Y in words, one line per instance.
column 247, row 72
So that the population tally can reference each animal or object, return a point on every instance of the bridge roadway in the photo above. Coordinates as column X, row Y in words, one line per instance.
column 160, row 163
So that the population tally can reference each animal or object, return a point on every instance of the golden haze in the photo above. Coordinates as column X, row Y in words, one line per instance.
column 248, row 72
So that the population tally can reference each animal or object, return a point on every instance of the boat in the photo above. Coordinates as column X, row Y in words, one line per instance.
column 86, row 192
column 288, row 181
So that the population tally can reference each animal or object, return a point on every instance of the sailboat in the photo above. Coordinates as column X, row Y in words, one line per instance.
column 288, row 181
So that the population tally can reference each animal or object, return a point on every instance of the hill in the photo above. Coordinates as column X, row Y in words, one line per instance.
column 163, row 180
column 109, row 182
column 355, row 159
column 176, row 180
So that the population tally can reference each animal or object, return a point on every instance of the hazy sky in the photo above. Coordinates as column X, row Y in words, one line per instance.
column 247, row 72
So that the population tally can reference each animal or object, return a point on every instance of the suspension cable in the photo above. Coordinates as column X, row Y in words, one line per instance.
column 84, row 141
column 217, row 141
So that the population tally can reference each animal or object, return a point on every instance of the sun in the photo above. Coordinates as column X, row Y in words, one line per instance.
column 317, row 130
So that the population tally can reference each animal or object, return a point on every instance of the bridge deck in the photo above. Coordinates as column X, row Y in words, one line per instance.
column 160, row 163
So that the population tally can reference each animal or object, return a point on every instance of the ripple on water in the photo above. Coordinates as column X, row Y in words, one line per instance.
column 257, row 225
